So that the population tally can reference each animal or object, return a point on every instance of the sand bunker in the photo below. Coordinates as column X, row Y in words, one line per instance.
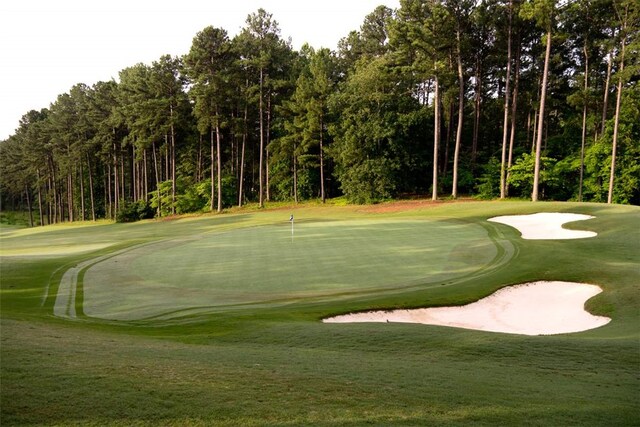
column 538, row 308
column 545, row 226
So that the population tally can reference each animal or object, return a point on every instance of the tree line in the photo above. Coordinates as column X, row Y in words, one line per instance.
column 494, row 98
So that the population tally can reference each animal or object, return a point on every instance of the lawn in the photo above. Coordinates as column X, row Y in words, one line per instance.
column 258, row 265
column 217, row 320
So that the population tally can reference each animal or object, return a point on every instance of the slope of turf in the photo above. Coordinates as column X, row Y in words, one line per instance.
column 276, row 364
column 267, row 263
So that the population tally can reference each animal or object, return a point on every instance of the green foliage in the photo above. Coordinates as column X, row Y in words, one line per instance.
column 160, row 199
column 372, row 144
column 488, row 186
column 134, row 211
column 521, row 175
column 304, row 129
column 566, row 171
column 193, row 198
column 208, row 65
column 189, row 197
column 542, row 11
column 597, row 177
column 627, row 181
column 229, row 194
column 15, row 218
column 368, row 180
column 365, row 110
column 280, row 176
column 598, row 156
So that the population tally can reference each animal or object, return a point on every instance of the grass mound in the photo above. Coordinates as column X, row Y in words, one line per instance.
column 266, row 264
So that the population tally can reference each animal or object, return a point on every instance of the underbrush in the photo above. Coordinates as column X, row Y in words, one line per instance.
column 17, row 218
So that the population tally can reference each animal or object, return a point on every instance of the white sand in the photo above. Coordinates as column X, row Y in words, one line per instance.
column 545, row 226
column 538, row 308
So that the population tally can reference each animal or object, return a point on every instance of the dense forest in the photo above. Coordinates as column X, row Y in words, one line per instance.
column 492, row 98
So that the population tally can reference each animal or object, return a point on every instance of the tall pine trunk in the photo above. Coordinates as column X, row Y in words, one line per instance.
column 295, row 180
column 456, row 154
column 213, row 169
column 436, row 138
column 91, row 194
column 116, row 182
column 70, row 195
column 82, row 207
column 109, row 201
column 157, row 174
column 145, row 183
column 134, row 172
column 218, row 156
column 514, row 110
column 26, row 193
column 616, row 119
column 166, row 158
column 584, row 118
column 260, row 166
column 543, row 97
column 39, row 197
column 267, row 140
column 199, row 164
column 244, row 141
column 322, row 195
column 173, row 165
column 53, row 189
column 476, row 113
column 447, row 139
column 505, row 121
column 123, row 193
column 605, row 101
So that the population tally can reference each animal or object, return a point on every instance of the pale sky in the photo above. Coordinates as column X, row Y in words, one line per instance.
column 47, row 46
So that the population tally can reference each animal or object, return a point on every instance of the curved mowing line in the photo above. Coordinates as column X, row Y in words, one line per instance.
column 506, row 251
column 45, row 295
column 70, row 294
column 66, row 304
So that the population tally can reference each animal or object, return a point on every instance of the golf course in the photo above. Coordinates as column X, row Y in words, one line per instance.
column 221, row 319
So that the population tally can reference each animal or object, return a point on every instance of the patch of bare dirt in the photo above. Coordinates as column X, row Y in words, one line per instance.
column 407, row 205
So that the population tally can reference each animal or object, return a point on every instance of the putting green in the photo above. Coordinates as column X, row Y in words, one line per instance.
column 267, row 265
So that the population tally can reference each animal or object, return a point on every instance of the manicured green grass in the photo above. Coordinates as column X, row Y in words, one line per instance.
column 272, row 362
column 257, row 265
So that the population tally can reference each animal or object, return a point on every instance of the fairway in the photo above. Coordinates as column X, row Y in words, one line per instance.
column 266, row 264
column 218, row 319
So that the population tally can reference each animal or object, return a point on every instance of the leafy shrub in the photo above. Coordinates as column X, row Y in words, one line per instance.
column 133, row 211
column 369, row 181
column 229, row 192
column 18, row 218
column 521, row 175
column 160, row 200
column 488, row 186
column 189, row 197
column 193, row 198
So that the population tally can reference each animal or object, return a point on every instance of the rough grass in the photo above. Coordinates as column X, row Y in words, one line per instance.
column 276, row 364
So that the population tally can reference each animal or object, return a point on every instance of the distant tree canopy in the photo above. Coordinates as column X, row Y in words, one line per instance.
column 514, row 98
